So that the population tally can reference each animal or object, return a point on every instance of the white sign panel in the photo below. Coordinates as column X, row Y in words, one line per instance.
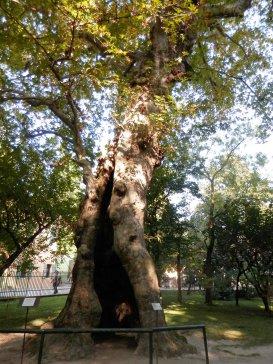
column 29, row 302
column 156, row 306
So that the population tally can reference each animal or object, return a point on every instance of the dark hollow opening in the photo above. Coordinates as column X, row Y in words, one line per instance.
column 111, row 281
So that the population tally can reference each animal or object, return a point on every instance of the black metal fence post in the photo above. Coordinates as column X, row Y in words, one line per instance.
column 151, row 348
column 205, row 344
column 24, row 338
column 41, row 347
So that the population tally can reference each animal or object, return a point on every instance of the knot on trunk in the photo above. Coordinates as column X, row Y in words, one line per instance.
column 85, row 252
column 143, row 144
column 132, row 238
column 120, row 188
column 115, row 216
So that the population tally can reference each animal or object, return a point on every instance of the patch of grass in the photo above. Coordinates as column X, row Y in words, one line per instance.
column 12, row 315
column 247, row 323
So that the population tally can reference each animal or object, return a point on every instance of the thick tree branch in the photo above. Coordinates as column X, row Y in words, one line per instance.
column 223, row 10
column 94, row 42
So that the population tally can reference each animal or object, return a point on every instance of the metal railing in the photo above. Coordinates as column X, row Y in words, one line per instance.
column 13, row 286
column 151, row 331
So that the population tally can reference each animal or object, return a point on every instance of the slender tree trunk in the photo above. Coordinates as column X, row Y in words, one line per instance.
column 208, row 295
column 208, row 268
column 263, row 293
column 237, row 287
column 266, row 304
column 179, row 282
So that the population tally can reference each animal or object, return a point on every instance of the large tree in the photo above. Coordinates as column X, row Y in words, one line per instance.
column 134, row 53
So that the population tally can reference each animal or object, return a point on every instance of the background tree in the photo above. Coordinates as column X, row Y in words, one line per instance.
column 213, row 176
column 34, row 198
column 244, row 232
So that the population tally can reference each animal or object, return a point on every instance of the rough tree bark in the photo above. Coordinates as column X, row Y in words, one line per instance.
column 113, row 265
column 138, row 154
column 83, row 308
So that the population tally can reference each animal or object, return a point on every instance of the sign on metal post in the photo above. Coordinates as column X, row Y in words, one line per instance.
column 30, row 302
column 27, row 302
column 156, row 306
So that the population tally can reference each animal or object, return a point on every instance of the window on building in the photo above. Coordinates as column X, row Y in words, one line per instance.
column 48, row 268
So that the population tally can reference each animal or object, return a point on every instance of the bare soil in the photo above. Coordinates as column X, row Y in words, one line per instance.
column 117, row 352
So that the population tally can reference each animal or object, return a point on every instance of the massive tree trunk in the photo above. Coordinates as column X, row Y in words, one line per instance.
column 113, row 266
column 83, row 308
column 134, row 166
column 138, row 153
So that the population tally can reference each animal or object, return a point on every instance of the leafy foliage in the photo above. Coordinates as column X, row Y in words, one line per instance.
column 37, row 192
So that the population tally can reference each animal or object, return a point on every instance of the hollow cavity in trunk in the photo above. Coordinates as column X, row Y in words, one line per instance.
column 111, row 282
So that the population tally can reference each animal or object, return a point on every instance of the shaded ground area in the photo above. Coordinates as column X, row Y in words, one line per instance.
column 117, row 352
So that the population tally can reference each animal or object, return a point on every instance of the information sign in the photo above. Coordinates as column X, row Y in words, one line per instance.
column 30, row 302
column 156, row 306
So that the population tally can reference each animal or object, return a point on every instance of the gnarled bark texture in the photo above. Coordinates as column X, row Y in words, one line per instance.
column 134, row 166
column 113, row 266
column 83, row 308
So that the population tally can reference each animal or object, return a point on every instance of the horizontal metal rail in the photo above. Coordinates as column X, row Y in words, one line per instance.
column 72, row 330
column 149, row 330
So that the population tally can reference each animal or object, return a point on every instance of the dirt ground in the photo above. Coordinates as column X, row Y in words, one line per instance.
column 223, row 351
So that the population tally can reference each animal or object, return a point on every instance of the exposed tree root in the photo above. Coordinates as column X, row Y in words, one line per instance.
column 62, row 347
column 167, row 344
